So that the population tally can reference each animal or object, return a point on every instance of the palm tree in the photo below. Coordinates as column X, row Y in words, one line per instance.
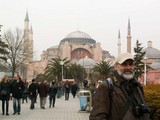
column 76, row 72
column 40, row 77
column 102, row 70
column 54, row 68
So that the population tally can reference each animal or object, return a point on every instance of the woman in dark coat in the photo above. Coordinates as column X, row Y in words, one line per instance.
column 5, row 94
column 74, row 89
column 32, row 89
column 67, row 89
column 52, row 94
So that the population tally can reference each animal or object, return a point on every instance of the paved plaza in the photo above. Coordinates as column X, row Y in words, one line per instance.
column 63, row 110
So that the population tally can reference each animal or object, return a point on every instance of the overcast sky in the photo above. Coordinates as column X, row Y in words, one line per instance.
column 53, row 20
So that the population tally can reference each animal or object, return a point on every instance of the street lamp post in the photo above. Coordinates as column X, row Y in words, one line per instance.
column 83, row 61
column 145, row 69
column 62, row 63
column 83, row 65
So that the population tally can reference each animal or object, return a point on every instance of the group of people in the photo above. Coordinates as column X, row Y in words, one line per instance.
column 14, row 89
column 19, row 91
column 68, row 87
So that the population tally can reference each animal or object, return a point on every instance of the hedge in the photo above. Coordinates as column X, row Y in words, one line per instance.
column 152, row 97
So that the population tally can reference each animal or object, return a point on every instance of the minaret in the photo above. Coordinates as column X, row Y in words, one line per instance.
column 26, row 39
column 26, row 23
column 129, row 37
column 31, row 43
column 119, row 43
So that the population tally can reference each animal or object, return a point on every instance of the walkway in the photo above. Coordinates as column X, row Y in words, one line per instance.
column 63, row 110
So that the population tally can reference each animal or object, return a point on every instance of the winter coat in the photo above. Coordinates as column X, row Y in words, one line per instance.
column 74, row 88
column 118, row 101
column 53, row 90
column 5, row 87
column 32, row 90
column 43, row 90
column 25, row 88
column 17, row 88
column 67, row 87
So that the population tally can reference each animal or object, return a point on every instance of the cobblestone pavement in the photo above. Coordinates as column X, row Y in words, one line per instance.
column 63, row 110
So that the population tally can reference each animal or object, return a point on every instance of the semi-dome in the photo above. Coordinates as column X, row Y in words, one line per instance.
column 155, row 65
column 78, row 37
column 87, row 62
column 151, row 52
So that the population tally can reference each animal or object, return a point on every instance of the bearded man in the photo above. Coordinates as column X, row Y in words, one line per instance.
column 120, row 97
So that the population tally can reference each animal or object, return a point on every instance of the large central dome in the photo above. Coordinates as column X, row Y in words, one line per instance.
column 78, row 34
column 78, row 37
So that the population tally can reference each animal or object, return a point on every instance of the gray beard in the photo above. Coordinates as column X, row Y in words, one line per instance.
column 126, row 75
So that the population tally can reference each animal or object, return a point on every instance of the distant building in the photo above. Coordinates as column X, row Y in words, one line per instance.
column 75, row 46
column 81, row 48
column 153, row 60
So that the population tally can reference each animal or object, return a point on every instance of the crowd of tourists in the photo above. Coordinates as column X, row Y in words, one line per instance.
column 21, row 92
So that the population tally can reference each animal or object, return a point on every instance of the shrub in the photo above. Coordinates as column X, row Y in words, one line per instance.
column 152, row 97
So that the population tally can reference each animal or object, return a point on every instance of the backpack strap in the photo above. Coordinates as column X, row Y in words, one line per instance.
column 110, row 83
column 110, row 86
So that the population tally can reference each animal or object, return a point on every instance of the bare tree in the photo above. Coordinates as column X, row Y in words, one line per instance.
column 17, row 52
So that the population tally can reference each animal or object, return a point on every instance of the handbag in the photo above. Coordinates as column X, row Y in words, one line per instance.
column 3, row 92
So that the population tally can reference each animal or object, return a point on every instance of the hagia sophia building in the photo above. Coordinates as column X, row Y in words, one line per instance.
column 81, row 48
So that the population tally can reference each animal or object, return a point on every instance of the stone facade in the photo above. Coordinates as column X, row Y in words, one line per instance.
column 35, row 68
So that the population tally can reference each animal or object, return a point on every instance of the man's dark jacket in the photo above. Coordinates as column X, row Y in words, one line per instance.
column 119, row 101
column 32, row 89
column 43, row 90
column 17, row 89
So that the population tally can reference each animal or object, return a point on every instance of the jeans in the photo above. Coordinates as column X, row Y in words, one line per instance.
column 16, row 105
column 33, row 100
column 3, row 106
column 66, row 95
column 42, row 102
column 52, row 100
column 24, row 97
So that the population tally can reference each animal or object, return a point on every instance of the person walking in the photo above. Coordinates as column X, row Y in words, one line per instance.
column 25, row 92
column 5, row 94
column 67, row 89
column 17, row 88
column 32, row 91
column 74, row 89
column 43, row 91
column 85, row 83
column 120, row 97
column 52, row 94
